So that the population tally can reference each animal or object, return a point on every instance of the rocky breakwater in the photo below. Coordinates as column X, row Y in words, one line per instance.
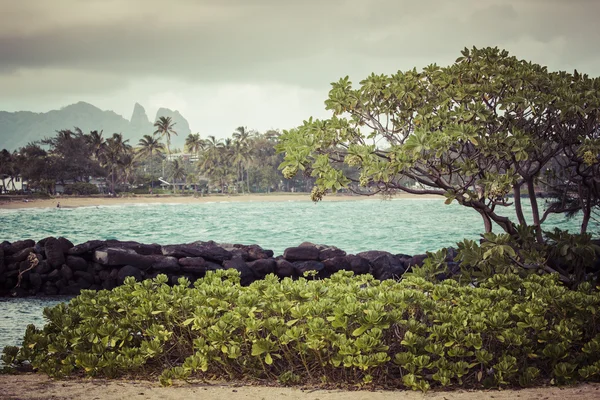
column 54, row 266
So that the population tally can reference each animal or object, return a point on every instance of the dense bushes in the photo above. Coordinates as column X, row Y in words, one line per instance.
column 81, row 188
column 345, row 329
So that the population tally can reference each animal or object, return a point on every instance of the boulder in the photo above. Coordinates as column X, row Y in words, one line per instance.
column 128, row 270
column 263, row 266
column 35, row 280
column 207, row 250
column 284, row 268
column 115, row 256
column 76, row 263
column 359, row 265
column 43, row 267
column 65, row 243
column 54, row 252
column 140, row 248
column 165, row 264
column 193, row 265
column 327, row 252
column 211, row 266
column 19, row 256
column 247, row 275
column 84, row 275
column 304, row 266
column 86, row 247
column 255, row 252
column 384, row 265
column 335, row 264
column 17, row 246
column 66, row 272
column 54, row 275
column 416, row 260
column 49, row 289
column 301, row 253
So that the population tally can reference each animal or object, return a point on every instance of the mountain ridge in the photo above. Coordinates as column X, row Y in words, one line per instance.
column 19, row 128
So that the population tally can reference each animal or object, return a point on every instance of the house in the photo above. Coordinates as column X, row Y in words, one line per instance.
column 12, row 183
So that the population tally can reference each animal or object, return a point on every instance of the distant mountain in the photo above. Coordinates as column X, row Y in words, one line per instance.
column 19, row 128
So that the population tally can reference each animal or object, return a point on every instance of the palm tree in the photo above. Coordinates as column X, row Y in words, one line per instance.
column 242, row 155
column 96, row 142
column 164, row 127
column 113, row 153
column 177, row 173
column 193, row 143
column 148, row 145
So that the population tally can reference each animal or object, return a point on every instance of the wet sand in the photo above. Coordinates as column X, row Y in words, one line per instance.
column 71, row 202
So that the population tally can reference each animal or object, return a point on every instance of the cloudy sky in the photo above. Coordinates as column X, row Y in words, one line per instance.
column 260, row 63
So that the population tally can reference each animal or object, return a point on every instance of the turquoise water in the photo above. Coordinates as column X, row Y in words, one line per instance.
column 409, row 226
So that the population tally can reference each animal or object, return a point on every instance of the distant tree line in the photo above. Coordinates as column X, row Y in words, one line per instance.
column 246, row 162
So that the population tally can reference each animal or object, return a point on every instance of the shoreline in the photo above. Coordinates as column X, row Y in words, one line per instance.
column 91, row 201
column 38, row 386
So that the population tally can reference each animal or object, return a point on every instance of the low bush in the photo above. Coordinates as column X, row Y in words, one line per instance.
column 81, row 189
column 344, row 329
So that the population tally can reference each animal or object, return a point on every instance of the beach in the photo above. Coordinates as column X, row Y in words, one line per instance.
column 80, row 201
column 38, row 387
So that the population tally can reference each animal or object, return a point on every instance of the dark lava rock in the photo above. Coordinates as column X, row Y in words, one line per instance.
column 66, row 272
column 35, row 280
column 359, row 265
column 255, row 252
column 19, row 256
column 54, row 275
column 207, row 250
column 301, row 253
column 140, row 248
column 263, row 267
column 113, row 256
column 284, row 268
column 65, row 243
column 417, row 260
column 335, row 264
column 86, row 247
column 54, row 252
column 84, row 275
column 50, row 289
column 165, row 264
column 18, row 246
column 192, row 262
column 247, row 275
column 328, row 252
column 43, row 267
column 384, row 265
column 211, row 266
column 128, row 270
column 76, row 263
column 304, row 266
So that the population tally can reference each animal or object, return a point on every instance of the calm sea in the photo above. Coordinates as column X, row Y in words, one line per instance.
column 409, row 226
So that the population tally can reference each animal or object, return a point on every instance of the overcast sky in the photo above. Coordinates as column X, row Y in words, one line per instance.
column 261, row 63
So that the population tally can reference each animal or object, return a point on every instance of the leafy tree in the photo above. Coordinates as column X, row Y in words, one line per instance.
column 116, row 156
column 177, row 172
column 193, row 143
column 164, row 127
column 487, row 126
column 150, row 145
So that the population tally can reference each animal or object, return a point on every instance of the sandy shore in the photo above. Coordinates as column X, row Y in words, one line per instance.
column 71, row 202
column 37, row 386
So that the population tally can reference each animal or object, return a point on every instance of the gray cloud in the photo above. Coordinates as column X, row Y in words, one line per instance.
column 67, row 48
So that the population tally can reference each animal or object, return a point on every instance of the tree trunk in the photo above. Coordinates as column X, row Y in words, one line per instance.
column 518, row 206
column 535, row 212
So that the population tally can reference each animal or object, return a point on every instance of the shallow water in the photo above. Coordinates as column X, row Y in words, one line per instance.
column 409, row 226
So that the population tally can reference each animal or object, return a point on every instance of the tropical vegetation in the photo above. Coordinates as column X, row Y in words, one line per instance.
column 346, row 329
column 482, row 132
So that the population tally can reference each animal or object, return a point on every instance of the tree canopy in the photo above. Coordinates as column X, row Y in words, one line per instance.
column 480, row 131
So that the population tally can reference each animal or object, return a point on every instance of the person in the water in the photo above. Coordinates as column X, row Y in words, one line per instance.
column 58, row 205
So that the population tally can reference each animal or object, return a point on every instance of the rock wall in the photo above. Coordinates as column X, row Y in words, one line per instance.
column 54, row 266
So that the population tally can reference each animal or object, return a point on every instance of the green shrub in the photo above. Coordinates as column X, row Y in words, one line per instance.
column 345, row 329
column 81, row 189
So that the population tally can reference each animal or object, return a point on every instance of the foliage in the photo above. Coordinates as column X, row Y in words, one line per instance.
column 345, row 329
column 81, row 188
column 487, row 126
